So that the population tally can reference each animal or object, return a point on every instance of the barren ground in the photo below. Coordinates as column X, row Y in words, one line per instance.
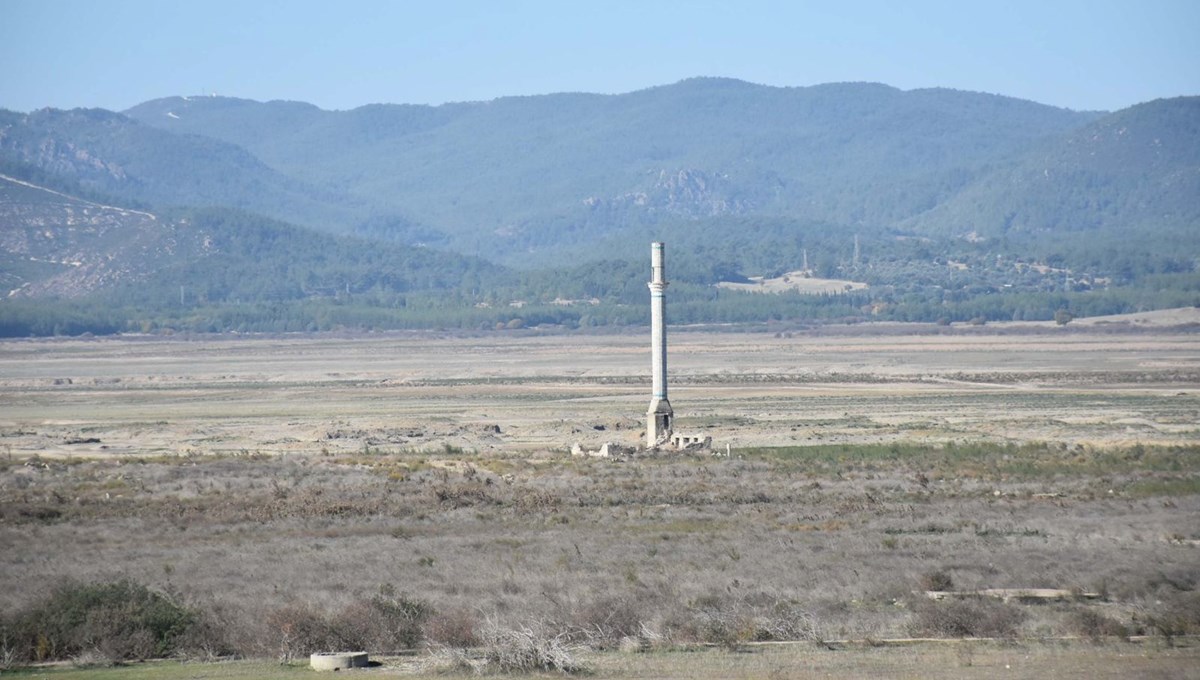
column 307, row 395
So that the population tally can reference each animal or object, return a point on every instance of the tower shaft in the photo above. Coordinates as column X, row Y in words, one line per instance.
column 659, row 417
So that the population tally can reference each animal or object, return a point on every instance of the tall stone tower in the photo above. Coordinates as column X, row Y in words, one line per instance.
column 660, row 416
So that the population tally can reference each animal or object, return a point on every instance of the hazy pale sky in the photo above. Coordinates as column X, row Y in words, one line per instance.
column 1081, row 54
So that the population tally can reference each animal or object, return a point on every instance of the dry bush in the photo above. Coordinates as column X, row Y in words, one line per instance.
column 385, row 623
column 9, row 655
column 937, row 580
column 462, row 495
column 448, row 660
column 91, row 659
column 1178, row 616
column 361, row 626
column 453, row 628
column 207, row 638
column 1094, row 625
column 638, row 542
column 528, row 649
column 714, row 621
column 729, row 620
column 602, row 622
column 536, row 501
column 297, row 631
column 116, row 643
column 785, row 620
column 967, row 618
column 395, row 621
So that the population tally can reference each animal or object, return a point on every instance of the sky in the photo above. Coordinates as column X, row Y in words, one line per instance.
column 1079, row 54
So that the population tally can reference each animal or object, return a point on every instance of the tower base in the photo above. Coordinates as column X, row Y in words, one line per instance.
column 660, row 421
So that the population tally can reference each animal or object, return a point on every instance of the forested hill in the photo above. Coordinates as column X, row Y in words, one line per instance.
column 517, row 177
column 1137, row 170
column 946, row 205
column 129, row 267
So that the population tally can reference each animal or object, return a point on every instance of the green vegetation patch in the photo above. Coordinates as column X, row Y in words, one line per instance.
column 114, row 621
column 1147, row 488
column 990, row 460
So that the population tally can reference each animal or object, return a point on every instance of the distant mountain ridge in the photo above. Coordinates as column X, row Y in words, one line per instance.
column 114, row 154
column 534, row 173
column 1138, row 168
column 947, row 204
column 55, row 245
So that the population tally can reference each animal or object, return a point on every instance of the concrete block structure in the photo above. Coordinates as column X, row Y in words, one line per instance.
column 683, row 441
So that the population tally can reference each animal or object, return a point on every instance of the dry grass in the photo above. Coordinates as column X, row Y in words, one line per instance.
column 250, row 478
column 694, row 548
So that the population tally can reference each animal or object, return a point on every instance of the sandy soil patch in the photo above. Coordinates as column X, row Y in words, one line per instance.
column 312, row 394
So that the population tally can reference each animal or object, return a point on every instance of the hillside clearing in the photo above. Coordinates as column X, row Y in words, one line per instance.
column 800, row 281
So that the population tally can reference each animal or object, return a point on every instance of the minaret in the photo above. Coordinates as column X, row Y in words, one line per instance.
column 660, row 416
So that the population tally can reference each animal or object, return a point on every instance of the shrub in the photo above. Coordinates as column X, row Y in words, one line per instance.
column 385, row 623
column 299, row 630
column 462, row 494
column 454, row 628
column 732, row 620
column 1094, row 625
column 207, row 638
column 118, row 620
column 967, row 618
column 527, row 649
column 444, row 660
column 786, row 621
column 605, row 620
column 937, row 581
column 395, row 622
column 1177, row 616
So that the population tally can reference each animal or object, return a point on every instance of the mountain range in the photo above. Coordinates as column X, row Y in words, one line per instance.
column 743, row 179
column 526, row 174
